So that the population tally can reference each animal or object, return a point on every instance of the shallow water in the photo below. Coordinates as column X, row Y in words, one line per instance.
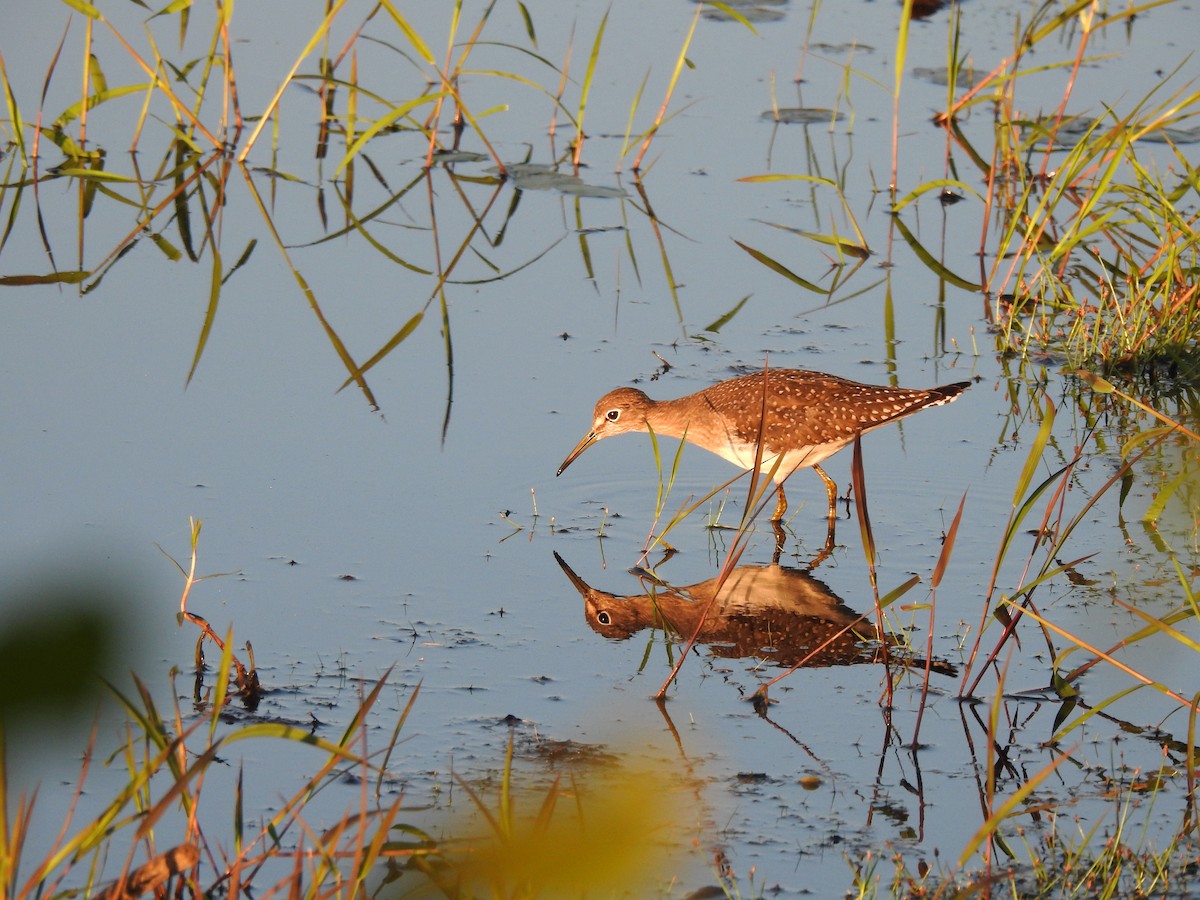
column 396, row 530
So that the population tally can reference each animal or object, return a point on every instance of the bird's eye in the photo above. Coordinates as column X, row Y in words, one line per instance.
column 604, row 618
column 612, row 415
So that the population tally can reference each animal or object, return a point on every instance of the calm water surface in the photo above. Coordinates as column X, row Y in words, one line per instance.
column 376, row 532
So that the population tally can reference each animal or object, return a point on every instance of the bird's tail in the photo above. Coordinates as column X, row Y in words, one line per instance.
column 946, row 392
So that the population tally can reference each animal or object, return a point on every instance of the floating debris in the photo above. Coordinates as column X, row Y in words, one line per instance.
column 1071, row 130
column 749, row 13
column 1169, row 135
column 801, row 115
column 839, row 49
column 966, row 77
column 750, row 10
column 457, row 156
column 539, row 177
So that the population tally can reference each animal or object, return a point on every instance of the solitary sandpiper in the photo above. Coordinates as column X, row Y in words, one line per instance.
column 800, row 417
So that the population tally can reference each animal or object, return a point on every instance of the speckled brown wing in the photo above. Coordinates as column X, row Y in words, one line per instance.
column 809, row 408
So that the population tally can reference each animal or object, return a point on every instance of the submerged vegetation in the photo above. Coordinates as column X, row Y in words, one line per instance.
column 1089, row 259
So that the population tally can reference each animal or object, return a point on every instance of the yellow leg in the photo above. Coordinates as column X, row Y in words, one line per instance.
column 780, row 541
column 827, row 550
column 830, row 489
column 780, row 507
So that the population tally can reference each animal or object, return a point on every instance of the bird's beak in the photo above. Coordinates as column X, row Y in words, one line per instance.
column 590, row 438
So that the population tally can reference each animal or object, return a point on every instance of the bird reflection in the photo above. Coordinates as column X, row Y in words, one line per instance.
column 773, row 613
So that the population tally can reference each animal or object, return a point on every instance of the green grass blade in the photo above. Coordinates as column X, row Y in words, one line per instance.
column 385, row 121
column 396, row 339
column 588, row 76
column 14, row 112
column 268, row 113
column 781, row 176
column 948, row 544
column 781, row 269
column 938, row 184
column 902, row 45
column 991, row 826
column 221, row 684
column 1161, row 626
column 410, row 33
column 1034, row 459
column 1165, row 493
column 934, row 265
column 85, row 8
column 210, row 313
column 75, row 110
column 899, row 591
column 633, row 108
column 715, row 326
column 53, row 278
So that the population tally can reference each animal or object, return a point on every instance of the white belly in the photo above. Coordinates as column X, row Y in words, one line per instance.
column 742, row 455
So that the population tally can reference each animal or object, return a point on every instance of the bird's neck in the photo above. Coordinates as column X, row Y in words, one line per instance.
column 670, row 418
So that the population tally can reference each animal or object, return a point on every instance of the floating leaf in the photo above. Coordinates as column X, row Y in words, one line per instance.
column 210, row 316
column 1168, row 135
column 828, row 49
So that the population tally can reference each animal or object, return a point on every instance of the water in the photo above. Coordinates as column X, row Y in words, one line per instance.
column 557, row 299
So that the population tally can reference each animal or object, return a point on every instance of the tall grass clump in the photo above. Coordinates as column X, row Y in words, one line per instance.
column 1095, row 252
column 177, row 817
column 1042, row 835
column 172, row 811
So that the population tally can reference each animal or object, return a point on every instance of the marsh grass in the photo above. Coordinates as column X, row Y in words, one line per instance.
column 1063, row 858
column 179, row 824
column 197, row 153
column 1094, row 258
column 1094, row 263
column 519, row 839
column 1109, row 866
